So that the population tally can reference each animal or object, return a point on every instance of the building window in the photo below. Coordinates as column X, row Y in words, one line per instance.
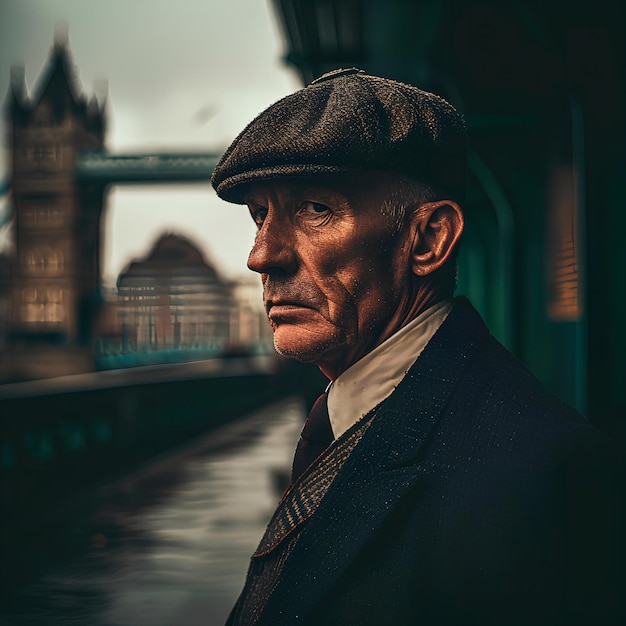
column 42, row 305
column 29, row 294
column 54, row 263
column 33, row 313
column 43, row 157
column 564, row 303
column 54, row 312
column 41, row 212
column 54, row 294
column 40, row 262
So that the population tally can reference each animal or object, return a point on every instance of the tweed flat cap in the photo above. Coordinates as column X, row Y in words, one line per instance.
column 347, row 121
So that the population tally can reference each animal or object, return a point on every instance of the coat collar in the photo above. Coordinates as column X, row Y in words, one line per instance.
column 386, row 463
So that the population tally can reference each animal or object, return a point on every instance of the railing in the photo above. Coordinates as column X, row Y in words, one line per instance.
column 60, row 437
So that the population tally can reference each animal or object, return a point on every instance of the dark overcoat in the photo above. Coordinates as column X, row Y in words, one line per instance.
column 473, row 497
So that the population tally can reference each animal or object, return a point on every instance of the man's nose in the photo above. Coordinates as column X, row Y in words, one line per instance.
column 273, row 251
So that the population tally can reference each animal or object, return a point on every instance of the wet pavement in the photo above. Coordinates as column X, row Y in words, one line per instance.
column 168, row 545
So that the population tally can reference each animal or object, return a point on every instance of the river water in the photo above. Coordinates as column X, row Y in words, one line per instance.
column 169, row 544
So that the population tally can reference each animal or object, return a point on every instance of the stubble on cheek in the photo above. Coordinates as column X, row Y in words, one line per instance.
column 330, row 326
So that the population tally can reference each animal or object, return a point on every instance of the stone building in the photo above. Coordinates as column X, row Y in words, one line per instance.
column 55, row 266
column 174, row 299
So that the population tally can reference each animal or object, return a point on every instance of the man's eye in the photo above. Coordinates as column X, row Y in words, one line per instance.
column 314, row 209
column 259, row 215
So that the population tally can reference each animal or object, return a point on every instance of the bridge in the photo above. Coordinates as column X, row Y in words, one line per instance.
column 61, row 173
column 102, row 167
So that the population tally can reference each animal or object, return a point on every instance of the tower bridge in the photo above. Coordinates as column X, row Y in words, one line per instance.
column 61, row 171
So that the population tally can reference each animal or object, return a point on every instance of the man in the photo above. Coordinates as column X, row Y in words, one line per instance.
column 444, row 485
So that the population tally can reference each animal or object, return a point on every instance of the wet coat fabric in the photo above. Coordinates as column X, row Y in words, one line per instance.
column 470, row 496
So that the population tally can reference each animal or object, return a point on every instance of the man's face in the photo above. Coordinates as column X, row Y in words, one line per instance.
column 334, row 269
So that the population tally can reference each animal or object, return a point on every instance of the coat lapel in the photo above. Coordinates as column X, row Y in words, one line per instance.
column 387, row 462
column 302, row 499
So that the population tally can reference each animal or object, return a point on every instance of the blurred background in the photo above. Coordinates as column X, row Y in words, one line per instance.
column 146, row 424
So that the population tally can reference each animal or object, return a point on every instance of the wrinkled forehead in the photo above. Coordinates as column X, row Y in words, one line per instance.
column 349, row 187
column 292, row 188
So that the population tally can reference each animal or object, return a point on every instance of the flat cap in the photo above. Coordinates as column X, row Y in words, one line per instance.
column 347, row 121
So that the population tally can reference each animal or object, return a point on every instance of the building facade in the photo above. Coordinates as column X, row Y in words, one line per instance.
column 175, row 299
column 55, row 264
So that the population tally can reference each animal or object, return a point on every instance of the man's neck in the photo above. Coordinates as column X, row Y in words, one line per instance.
column 372, row 379
column 414, row 304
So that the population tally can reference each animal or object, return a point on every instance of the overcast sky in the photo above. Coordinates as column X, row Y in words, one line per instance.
column 182, row 75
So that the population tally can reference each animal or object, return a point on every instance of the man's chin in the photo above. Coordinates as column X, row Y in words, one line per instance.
column 303, row 345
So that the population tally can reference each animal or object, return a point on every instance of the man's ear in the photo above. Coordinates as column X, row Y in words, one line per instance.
column 436, row 228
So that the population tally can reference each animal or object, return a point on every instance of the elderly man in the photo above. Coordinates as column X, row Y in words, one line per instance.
column 436, row 482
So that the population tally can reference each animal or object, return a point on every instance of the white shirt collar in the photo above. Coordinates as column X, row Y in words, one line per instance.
column 366, row 383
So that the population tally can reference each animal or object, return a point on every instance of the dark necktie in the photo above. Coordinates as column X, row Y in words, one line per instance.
column 316, row 436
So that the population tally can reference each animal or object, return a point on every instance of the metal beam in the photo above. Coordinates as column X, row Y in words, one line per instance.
column 104, row 168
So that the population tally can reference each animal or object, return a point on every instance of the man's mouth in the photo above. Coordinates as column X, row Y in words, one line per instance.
column 286, row 304
column 283, row 308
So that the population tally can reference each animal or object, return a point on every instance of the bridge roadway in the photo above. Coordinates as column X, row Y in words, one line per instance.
column 169, row 544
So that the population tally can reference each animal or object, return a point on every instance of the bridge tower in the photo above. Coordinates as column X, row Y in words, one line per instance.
column 55, row 269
